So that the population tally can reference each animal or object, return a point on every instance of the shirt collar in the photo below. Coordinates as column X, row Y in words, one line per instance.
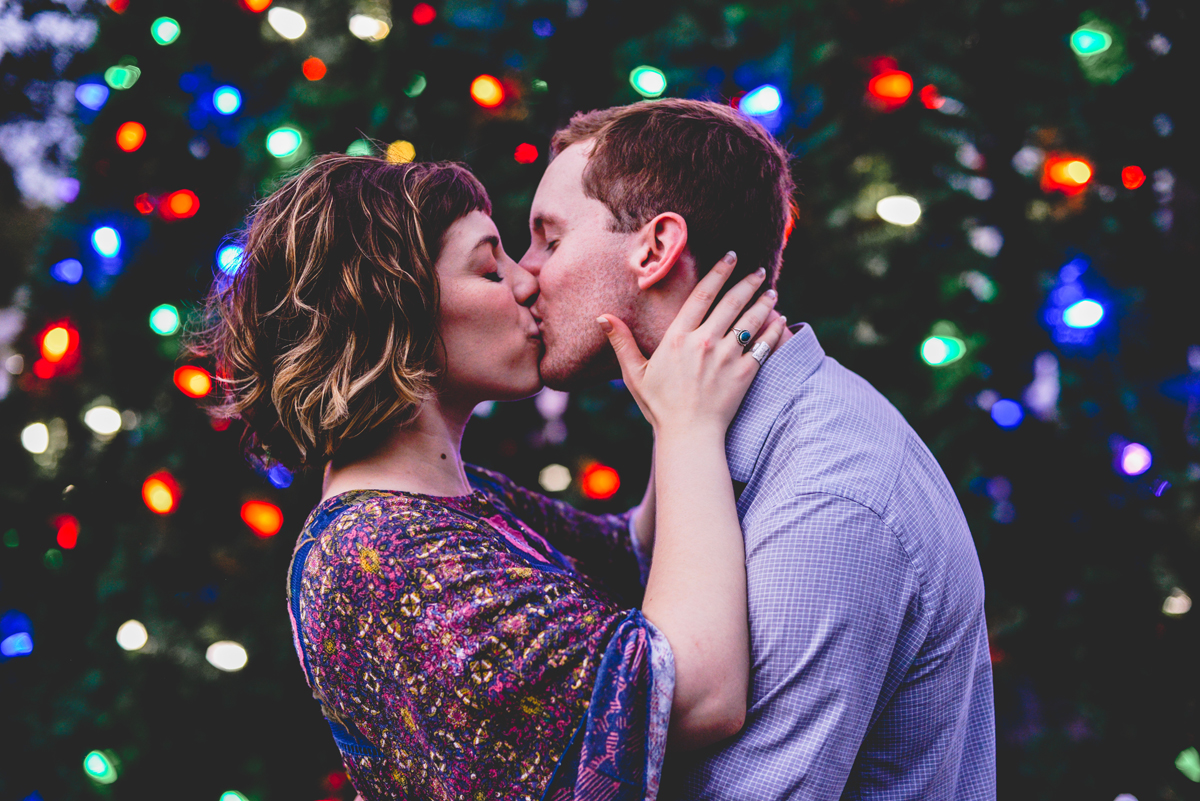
column 774, row 386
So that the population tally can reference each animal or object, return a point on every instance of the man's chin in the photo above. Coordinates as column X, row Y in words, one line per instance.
column 574, row 375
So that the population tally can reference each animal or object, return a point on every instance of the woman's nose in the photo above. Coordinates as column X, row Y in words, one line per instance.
column 524, row 284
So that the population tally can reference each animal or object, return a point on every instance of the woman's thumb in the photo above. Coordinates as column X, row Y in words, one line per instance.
column 621, row 338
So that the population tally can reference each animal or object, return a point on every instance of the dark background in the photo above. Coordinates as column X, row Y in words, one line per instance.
column 1095, row 684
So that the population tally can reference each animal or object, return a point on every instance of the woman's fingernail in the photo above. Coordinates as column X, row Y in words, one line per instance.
column 729, row 257
column 771, row 293
column 605, row 325
column 761, row 272
column 783, row 321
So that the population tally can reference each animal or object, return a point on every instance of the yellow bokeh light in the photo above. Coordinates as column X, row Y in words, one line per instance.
column 401, row 152
column 1079, row 172
column 56, row 343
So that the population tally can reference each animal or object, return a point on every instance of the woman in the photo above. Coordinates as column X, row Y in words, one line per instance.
column 465, row 637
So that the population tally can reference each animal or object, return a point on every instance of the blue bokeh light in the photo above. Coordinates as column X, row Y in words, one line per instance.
column 761, row 101
column 17, row 645
column 92, row 95
column 1007, row 413
column 229, row 258
column 227, row 100
column 1083, row 314
column 543, row 28
column 280, row 476
column 106, row 241
column 68, row 271
column 16, row 635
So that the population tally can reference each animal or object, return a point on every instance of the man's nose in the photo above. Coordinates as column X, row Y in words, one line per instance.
column 524, row 284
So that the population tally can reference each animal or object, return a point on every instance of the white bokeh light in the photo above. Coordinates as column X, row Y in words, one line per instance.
column 35, row 437
column 132, row 635
column 226, row 655
column 899, row 209
column 103, row 420
column 287, row 23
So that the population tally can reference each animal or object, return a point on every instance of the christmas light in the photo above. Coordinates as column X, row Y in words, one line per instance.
column 313, row 68
column 360, row 147
column 525, row 153
column 122, row 77
column 229, row 258
column 487, row 91
column 58, row 342
column 416, row 85
column 226, row 100
column 35, row 437
column 20, row 644
column 132, row 635
column 938, row 351
column 1177, row 603
column 100, row 767
column 1188, row 763
column 401, row 152
column 899, row 209
column 226, row 655
column 265, row 519
column 164, row 30
column 600, row 481
column 1135, row 459
column 648, row 81
column 160, row 492
column 1133, row 177
column 66, row 531
column 283, row 142
column 130, row 136
column 543, row 28
column 119, row 6
column 1068, row 174
column 891, row 87
column 423, row 14
column 193, row 381
column 68, row 271
column 930, row 98
column 164, row 320
column 179, row 205
column 1090, row 42
column 761, row 101
column 103, row 420
column 554, row 478
column 144, row 203
column 280, row 476
column 1084, row 314
column 106, row 241
column 287, row 23
column 232, row 795
column 1007, row 413
column 368, row 28
column 92, row 95
column 257, row 6
column 16, row 634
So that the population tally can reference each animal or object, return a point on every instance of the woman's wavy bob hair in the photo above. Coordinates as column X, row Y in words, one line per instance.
column 329, row 328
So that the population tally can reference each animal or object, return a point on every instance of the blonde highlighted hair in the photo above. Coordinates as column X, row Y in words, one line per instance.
column 328, row 330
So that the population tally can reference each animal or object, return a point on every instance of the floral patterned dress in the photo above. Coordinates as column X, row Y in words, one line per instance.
column 458, row 654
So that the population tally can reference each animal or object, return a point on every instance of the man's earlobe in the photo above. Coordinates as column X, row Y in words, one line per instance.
column 661, row 243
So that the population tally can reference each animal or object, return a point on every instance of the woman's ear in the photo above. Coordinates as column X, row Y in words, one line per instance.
column 660, row 247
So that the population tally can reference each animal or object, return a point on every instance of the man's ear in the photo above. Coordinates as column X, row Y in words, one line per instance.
column 661, row 245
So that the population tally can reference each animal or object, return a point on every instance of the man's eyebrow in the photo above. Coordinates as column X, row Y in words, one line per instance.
column 542, row 220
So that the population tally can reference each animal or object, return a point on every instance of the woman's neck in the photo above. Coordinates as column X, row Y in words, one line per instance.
column 424, row 456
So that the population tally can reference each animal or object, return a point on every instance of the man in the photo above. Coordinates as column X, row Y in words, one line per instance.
column 869, row 656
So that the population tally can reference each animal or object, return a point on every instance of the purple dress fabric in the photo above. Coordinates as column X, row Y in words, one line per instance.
column 459, row 654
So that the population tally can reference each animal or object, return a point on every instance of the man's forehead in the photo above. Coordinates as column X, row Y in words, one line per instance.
column 560, row 193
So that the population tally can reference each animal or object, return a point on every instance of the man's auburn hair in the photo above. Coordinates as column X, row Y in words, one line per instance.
column 724, row 174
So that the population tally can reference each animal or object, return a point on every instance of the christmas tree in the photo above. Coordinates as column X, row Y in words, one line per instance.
column 996, row 225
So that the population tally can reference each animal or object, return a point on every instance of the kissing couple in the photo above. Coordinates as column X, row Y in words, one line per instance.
column 795, row 610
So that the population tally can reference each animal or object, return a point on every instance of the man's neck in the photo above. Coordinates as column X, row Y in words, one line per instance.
column 423, row 456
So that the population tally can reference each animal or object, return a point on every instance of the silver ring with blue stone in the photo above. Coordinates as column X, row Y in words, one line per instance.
column 743, row 336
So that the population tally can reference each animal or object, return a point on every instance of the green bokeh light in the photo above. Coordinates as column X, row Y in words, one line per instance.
column 164, row 30
column 233, row 795
column 416, row 85
column 283, row 142
column 164, row 320
column 941, row 350
column 648, row 81
column 360, row 147
column 1188, row 763
column 1090, row 42
column 122, row 77
column 99, row 767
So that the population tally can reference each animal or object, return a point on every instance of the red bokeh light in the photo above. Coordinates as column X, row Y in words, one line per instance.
column 1066, row 173
column 144, row 203
column 257, row 6
column 43, row 369
column 525, row 153
column 891, row 87
column 1133, row 177
column 66, row 531
column 600, row 481
column 313, row 68
column 930, row 98
column 487, row 91
column 161, row 493
column 130, row 136
column 265, row 519
column 179, row 205
column 193, row 381
column 423, row 14
column 118, row 6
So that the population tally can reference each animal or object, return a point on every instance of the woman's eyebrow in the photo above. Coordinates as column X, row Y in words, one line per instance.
column 491, row 240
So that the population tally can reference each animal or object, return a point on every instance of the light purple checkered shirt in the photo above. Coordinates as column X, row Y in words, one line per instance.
column 870, row 672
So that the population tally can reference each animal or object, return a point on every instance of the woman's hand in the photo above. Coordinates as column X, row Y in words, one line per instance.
column 696, row 379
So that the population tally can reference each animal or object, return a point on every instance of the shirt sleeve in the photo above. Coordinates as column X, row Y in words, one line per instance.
column 603, row 544
column 472, row 671
column 830, row 589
